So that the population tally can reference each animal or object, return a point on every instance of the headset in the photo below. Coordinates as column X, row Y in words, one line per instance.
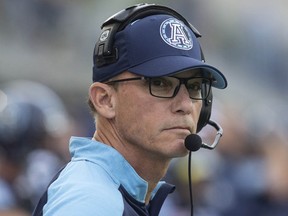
column 105, row 53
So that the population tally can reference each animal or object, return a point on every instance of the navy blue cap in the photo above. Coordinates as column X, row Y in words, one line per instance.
column 157, row 45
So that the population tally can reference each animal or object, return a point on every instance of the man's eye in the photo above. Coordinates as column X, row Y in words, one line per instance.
column 160, row 82
column 195, row 86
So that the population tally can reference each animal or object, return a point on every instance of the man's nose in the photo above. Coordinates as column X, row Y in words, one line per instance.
column 183, row 102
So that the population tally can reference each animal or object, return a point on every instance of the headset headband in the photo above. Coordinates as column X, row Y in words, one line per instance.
column 104, row 53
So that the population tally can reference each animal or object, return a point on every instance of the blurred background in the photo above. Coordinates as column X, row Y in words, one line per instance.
column 46, row 68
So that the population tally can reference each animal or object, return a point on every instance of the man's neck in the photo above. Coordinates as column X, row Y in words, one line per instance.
column 151, row 168
column 151, row 171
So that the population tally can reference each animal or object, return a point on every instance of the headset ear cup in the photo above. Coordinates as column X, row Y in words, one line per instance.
column 205, row 112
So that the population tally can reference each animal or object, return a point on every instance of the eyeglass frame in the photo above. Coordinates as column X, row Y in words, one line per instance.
column 177, row 88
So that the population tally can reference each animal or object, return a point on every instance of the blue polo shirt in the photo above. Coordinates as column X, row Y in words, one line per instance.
column 98, row 181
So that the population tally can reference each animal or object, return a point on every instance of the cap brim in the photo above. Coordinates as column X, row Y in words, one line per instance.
column 168, row 65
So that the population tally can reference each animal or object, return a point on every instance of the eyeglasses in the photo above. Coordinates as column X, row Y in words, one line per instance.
column 168, row 86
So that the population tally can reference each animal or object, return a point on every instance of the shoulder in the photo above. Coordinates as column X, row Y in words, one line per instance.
column 84, row 188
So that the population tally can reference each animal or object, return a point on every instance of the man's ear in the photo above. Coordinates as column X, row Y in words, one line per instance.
column 102, row 97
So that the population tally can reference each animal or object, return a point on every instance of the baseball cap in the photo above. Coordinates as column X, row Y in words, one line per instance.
column 157, row 45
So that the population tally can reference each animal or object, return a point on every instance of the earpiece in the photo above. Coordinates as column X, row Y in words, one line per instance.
column 205, row 113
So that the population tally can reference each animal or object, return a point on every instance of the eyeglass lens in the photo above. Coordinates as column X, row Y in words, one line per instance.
column 168, row 87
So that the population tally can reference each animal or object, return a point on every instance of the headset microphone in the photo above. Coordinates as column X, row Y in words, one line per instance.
column 193, row 142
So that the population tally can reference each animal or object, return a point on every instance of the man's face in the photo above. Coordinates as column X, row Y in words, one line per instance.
column 154, row 126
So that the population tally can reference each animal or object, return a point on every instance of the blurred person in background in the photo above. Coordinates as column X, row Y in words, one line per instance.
column 33, row 129
column 275, row 199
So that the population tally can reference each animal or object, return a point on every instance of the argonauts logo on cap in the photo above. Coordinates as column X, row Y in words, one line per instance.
column 176, row 34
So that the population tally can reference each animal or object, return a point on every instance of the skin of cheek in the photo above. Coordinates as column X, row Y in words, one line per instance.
column 140, row 121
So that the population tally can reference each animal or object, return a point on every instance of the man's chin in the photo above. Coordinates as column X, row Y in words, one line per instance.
column 180, row 150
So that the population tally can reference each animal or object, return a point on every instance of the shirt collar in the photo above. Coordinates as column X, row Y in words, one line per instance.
column 114, row 163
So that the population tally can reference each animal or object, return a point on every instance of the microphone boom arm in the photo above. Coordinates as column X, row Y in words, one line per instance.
column 217, row 138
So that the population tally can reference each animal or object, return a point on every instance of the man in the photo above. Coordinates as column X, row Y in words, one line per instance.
column 143, row 114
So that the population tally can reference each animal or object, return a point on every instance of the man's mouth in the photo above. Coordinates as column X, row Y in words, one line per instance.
column 181, row 129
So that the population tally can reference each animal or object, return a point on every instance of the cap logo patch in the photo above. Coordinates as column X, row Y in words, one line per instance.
column 176, row 34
